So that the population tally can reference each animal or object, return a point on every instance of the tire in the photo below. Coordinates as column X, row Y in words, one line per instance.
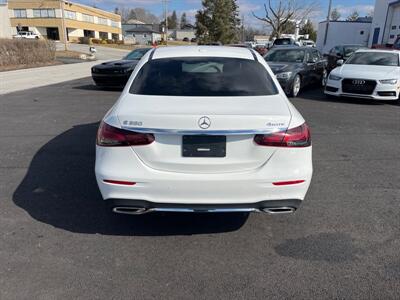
column 296, row 86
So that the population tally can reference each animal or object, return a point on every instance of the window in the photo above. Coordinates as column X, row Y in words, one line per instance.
column 392, row 36
column 87, row 18
column 114, row 24
column 362, row 32
column 393, row 27
column 203, row 76
column 286, row 55
column 374, row 59
column 44, row 13
column 137, row 54
column 70, row 15
column 102, row 21
column 19, row 13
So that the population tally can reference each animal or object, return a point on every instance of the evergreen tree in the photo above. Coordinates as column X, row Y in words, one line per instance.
column 218, row 21
column 308, row 28
column 183, row 22
column 173, row 21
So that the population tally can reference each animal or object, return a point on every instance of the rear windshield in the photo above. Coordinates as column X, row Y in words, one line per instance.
column 203, row 76
column 137, row 54
column 349, row 50
column 374, row 59
column 285, row 55
column 281, row 42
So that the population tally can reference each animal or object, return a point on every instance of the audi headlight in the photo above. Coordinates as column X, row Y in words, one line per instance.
column 284, row 75
column 388, row 81
column 334, row 77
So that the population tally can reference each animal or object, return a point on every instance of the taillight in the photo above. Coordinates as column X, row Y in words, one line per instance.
column 295, row 137
column 112, row 137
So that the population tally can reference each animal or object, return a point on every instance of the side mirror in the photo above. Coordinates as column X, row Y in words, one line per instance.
column 340, row 62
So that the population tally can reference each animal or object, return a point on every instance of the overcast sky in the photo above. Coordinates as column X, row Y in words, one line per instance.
column 246, row 6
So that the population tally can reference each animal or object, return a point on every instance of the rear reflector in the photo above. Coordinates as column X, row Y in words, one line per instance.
column 119, row 182
column 288, row 182
column 109, row 136
column 294, row 137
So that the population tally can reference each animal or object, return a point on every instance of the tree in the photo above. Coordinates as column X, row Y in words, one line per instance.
column 335, row 14
column 173, row 21
column 218, row 21
column 183, row 22
column 308, row 28
column 353, row 16
column 278, row 16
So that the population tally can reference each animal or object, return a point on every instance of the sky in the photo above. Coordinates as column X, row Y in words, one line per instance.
column 345, row 7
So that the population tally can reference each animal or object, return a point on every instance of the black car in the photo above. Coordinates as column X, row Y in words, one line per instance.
column 340, row 52
column 296, row 67
column 116, row 73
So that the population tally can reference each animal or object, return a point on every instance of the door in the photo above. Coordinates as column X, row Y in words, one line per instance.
column 319, row 65
column 52, row 33
column 376, row 36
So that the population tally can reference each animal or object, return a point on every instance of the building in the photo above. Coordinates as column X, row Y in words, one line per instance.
column 141, row 33
column 48, row 18
column 5, row 25
column 262, row 39
column 386, row 22
column 342, row 32
column 180, row 34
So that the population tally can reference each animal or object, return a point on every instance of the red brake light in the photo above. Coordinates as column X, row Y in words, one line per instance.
column 295, row 137
column 110, row 136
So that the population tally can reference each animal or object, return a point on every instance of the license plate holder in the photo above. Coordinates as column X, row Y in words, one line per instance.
column 203, row 146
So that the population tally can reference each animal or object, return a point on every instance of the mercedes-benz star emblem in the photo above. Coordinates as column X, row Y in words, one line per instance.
column 204, row 122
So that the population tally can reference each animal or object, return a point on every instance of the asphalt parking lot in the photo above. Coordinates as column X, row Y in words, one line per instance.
column 59, row 242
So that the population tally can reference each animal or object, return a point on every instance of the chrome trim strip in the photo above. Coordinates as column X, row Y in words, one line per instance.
column 203, row 132
column 213, row 210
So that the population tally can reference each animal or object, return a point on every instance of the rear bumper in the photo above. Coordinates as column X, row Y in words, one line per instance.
column 230, row 188
column 136, row 207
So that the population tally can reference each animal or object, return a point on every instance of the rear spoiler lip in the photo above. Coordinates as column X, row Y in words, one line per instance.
column 205, row 131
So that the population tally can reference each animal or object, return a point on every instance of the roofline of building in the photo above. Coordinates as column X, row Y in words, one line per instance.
column 345, row 21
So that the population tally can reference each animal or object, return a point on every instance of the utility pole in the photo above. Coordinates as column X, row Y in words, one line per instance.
column 243, row 30
column 328, row 18
column 166, row 21
column 64, row 29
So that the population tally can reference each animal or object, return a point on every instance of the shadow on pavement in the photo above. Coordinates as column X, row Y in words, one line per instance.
column 93, row 87
column 60, row 189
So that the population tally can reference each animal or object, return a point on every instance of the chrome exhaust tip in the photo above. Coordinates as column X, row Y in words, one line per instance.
column 130, row 210
column 278, row 210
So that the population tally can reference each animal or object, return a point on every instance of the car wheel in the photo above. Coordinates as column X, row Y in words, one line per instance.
column 296, row 86
column 324, row 78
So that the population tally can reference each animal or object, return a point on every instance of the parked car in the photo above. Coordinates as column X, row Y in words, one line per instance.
column 26, row 35
column 116, row 73
column 203, row 129
column 394, row 46
column 285, row 42
column 185, row 39
column 193, row 40
column 370, row 74
column 307, row 43
column 296, row 67
column 342, row 52
column 261, row 49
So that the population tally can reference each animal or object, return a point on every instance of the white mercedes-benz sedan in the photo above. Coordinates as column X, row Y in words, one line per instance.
column 371, row 74
column 203, row 129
